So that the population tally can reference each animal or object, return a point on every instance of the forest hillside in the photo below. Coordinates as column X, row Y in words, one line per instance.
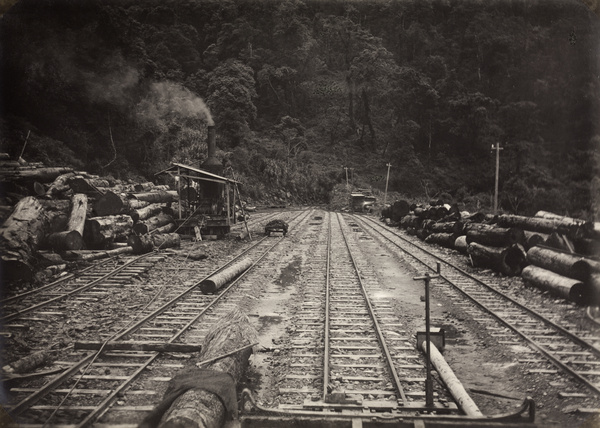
column 300, row 90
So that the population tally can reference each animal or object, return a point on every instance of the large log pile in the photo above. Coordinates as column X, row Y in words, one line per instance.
column 561, row 250
column 74, row 214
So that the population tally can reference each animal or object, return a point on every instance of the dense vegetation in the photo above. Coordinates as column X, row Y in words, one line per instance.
column 300, row 89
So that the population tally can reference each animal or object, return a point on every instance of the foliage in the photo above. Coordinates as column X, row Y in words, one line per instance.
column 300, row 89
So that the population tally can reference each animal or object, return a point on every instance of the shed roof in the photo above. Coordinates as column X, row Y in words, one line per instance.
column 194, row 173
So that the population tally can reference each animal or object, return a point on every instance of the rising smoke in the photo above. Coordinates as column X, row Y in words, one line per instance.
column 168, row 99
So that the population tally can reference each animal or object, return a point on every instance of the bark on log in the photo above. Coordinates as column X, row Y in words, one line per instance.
column 455, row 227
column 111, row 203
column 399, row 209
column 88, row 185
column 568, row 265
column 167, row 228
column 199, row 408
column 43, row 175
column 135, row 204
column 410, row 221
column 444, row 239
column 460, row 244
column 158, row 197
column 88, row 255
column 20, row 236
column 508, row 261
column 545, row 225
column 72, row 237
column 101, row 231
column 138, row 346
column 143, row 244
column 152, row 223
column 567, row 288
column 146, row 212
column 215, row 282
column 29, row 363
column 149, row 186
column 534, row 238
column 494, row 236
column 59, row 185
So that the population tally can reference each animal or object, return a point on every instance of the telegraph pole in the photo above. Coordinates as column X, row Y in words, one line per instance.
column 497, row 148
column 387, row 179
column 347, row 185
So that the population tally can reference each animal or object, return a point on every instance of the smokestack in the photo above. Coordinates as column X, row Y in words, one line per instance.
column 212, row 164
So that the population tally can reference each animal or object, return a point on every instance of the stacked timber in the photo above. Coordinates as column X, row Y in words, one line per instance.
column 50, row 215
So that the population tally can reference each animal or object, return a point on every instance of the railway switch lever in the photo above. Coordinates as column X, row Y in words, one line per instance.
column 429, row 381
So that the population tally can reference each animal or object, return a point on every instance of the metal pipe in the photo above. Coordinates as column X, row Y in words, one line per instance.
column 464, row 401
column 216, row 281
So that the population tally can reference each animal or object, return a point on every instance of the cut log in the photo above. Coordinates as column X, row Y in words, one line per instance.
column 461, row 244
column 411, row 221
column 139, row 346
column 29, row 363
column 199, row 407
column 42, row 175
column 20, row 236
column 167, row 228
column 559, row 241
column 157, row 197
column 88, row 255
column 143, row 244
column 111, row 203
column 216, row 281
column 152, row 223
column 59, row 185
column 534, row 238
column 455, row 227
column 399, row 209
column 508, row 261
column 101, row 231
column 545, row 225
column 444, row 239
column 65, row 240
column 80, row 184
column 568, row 265
column 593, row 290
column 149, row 186
column 135, row 204
column 147, row 212
column 72, row 237
column 567, row 288
column 494, row 236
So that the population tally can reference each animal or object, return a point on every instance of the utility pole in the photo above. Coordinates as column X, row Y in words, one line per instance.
column 497, row 148
column 347, row 186
column 387, row 179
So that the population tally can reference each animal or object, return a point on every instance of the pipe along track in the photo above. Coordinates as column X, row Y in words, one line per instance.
column 575, row 355
column 92, row 384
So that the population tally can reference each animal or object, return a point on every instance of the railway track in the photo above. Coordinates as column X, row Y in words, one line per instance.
column 572, row 351
column 348, row 348
column 116, row 384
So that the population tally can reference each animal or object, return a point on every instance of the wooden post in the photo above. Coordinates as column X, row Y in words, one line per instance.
column 387, row 179
column 497, row 148
column 179, row 190
column 228, row 207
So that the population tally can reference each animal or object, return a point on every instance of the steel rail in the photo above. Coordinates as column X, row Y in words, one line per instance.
column 61, row 378
column 327, row 318
column 499, row 318
column 85, row 287
column 57, row 282
column 388, row 356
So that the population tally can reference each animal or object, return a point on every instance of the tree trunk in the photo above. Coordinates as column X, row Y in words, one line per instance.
column 86, row 255
column 545, row 225
column 534, row 238
column 143, row 244
column 20, row 236
column 88, row 185
column 508, row 261
column 157, row 197
column 43, row 175
column 444, row 239
column 101, row 231
column 59, row 185
column 461, row 244
column 135, row 204
column 410, row 221
column 398, row 210
column 166, row 240
column 152, row 223
column 563, row 264
column 567, row 288
column 494, row 236
column 146, row 212
column 111, row 203
column 455, row 227
column 198, row 408
column 218, row 280
column 72, row 237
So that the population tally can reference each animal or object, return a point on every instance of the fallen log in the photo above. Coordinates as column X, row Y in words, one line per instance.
column 152, row 223
column 111, row 203
column 157, row 197
column 216, row 281
column 508, row 260
column 60, row 185
column 20, row 236
column 42, row 175
column 460, row 244
column 90, row 255
column 411, row 221
column 494, row 236
column 143, row 244
column 208, row 395
column 399, row 209
column 29, row 363
column 546, row 225
column 72, row 237
column 444, row 239
column 560, row 242
column 567, row 288
column 167, row 228
column 80, row 184
column 534, row 238
column 568, row 265
column 455, row 227
column 101, row 231
column 146, row 212
column 135, row 204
